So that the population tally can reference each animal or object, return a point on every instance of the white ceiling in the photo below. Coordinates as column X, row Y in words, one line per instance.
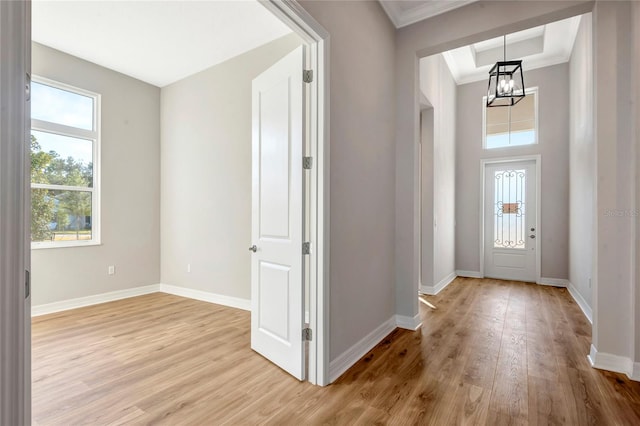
column 406, row 12
column 538, row 47
column 157, row 41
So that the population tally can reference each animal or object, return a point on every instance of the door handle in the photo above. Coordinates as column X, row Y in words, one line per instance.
column 530, row 236
column 253, row 248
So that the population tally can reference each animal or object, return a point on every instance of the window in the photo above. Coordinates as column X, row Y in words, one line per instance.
column 65, row 147
column 511, row 126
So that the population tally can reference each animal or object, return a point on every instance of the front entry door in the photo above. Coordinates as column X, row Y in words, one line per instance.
column 277, row 293
column 510, row 240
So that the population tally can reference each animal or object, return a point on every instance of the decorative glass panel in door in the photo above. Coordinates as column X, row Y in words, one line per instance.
column 509, row 208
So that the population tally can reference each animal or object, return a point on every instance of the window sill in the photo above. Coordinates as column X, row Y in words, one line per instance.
column 69, row 244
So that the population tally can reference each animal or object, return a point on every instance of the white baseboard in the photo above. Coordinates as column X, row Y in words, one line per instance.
column 433, row 290
column 635, row 374
column 605, row 361
column 205, row 296
column 554, row 282
column 615, row 363
column 352, row 355
column 586, row 309
column 469, row 274
column 408, row 323
column 96, row 299
column 80, row 302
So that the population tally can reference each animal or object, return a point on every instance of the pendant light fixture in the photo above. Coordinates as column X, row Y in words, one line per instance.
column 506, row 82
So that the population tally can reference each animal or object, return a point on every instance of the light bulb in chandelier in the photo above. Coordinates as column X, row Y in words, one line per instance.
column 502, row 86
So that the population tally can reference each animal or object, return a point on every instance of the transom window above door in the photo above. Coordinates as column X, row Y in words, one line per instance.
column 509, row 126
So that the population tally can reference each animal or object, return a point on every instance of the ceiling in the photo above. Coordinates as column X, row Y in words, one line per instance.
column 158, row 41
column 538, row 47
column 406, row 12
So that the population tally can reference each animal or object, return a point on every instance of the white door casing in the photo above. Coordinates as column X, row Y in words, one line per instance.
column 15, row 207
column 510, row 221
column 277, row 291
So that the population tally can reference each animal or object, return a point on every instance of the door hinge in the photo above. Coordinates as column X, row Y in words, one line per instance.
column 307, row 163
column 307, row 76
column 27, row 284
column 307, row 334
column 306, row 248
column 27, row 88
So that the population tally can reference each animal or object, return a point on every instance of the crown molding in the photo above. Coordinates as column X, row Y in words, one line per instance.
column 427, row 9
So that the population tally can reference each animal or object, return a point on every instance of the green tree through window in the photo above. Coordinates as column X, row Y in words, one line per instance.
column 42, row 205
column 53, row 207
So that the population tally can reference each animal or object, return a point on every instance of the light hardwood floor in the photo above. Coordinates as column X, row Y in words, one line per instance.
column 489, row 352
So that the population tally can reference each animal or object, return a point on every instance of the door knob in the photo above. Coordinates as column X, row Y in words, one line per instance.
column 530, row 236
column 253, row 248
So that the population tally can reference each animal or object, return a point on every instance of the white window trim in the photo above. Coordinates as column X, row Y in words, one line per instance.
column 94, row 135
column 528, row 91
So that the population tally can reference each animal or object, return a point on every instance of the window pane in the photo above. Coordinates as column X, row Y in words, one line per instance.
column 498, row 141
column 61, row 106
column 524, row 110
column 497, row 116
column 60, row 215
column 61, row 160
column 523, row 138
column 511, row 126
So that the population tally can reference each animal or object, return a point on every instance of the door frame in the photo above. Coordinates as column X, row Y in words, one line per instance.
column 537, row 159
column 317, row 39
column 15, row 193
column 425, row 107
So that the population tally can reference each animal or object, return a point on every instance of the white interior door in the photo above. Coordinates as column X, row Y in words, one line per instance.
column 277, row 292
column 510, row 241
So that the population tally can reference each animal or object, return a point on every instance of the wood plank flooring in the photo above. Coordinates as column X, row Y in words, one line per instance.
column 489, row 352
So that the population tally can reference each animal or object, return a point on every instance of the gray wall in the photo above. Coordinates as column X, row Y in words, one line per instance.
column 615, row 150
column 362, row 167
column 426, row 225
column 582, row 161
column 553, row 146
column 206, row 173
column 130, row 189
column 439, row 88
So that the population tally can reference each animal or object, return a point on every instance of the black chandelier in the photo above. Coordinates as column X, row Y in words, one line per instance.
column 506, row 82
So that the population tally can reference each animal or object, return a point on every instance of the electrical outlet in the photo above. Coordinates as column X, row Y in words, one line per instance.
column 188, row 268
column 111, row 270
